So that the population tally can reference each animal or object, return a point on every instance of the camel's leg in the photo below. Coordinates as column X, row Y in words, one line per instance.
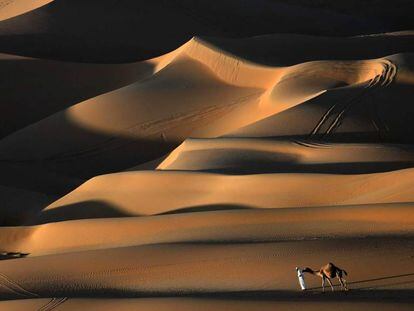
column 342, row 283
column 323, row 283
column 345, row 286
column 330, row 283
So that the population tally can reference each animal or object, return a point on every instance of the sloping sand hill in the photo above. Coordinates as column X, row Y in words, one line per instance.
column 258, row 155
column 210, row 224
column 12, row 8
column 20, row 205
column 201, row 91
column 150, row 193
column 183, row 269
column 65, row 29
column 44, row 87
column 199, row 179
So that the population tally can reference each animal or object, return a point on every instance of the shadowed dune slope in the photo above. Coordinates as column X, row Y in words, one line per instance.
column 291, row 49
column 258, row 155
column 32, row 89
column 150, row 193
column 19, row 205
column 211, row 224
column 35, row 178
column 200, row 90
column 141, row 30
column 200, row 177
column 44, row 87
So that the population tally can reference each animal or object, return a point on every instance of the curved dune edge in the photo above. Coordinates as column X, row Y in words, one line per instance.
column 155, row 192
column 46, row 87
column 228, row 215
column 214, row 94
column 233, row 225
column 13, row 8
column 253, row 155
column 20, row 205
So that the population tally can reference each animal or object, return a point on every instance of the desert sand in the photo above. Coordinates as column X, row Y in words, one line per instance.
column 12, row 8
column 195, row 165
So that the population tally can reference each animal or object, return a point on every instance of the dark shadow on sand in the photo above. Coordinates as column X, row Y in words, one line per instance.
column 101, row 209
column 79, row 31
column 255, row 167
column 82, row 210
column 375, row 281
column 248, row 295
column 207, row 208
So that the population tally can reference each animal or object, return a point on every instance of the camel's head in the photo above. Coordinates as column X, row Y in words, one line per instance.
column 307, row 270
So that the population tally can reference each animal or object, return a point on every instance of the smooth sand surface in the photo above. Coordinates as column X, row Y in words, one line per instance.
column 154, row 192
column 324, row 303
column 256, row 155
column 199, row 179
column 45, row 87
column 179, row 269
column 12, row 8
column 211, row 225
column 200, row 90
column 199, row 304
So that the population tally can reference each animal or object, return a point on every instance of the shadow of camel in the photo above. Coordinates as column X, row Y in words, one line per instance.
column 393, row 277
column 385, row 278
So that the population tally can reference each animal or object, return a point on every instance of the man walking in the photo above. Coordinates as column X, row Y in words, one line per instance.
column 301, row 278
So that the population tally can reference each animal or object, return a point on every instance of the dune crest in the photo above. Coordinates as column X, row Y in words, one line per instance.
column 12, row 8
column 236, row 224
column 150, row 193
column 207, row 92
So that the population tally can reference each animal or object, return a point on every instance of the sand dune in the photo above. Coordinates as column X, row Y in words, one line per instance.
column 143, row 30
column 45, row 87
column 210, row 225
column 205, row 92
column 256, row 155
column 250, row 139
column 357, row 112
column 19, row 205
column 12, row 8
column 150, row 193
column 206, row 268
column 33, row 89
column 281, row 49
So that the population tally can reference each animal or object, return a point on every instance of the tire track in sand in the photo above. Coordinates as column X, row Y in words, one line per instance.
column 53, row 303
column 384, row 79
column 15, row 288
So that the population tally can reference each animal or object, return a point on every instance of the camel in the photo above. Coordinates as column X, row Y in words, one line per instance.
column 329, row 272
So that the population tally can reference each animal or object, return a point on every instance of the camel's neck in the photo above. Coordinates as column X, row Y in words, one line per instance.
column 311, row 271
